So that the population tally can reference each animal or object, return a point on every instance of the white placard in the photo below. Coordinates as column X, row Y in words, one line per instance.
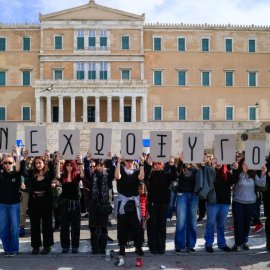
column 8, row 133
column 69, row 143
column 161, row 145
column 36, row 140
column 225, row 146
column 255, row 154
column 131, row 143
column 193, row 147
column 100, row 142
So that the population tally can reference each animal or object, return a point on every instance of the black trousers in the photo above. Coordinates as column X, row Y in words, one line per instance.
column 40, row 212
column 70, row 217
column 129, row 223
column 156, row 227
column 98, row 223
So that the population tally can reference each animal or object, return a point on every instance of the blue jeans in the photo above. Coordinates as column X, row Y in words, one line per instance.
column 216, row 214
column 186, row 220
column 9, row 226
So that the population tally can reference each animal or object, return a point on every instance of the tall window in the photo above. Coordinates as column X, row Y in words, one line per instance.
column 125, row 74
column 229, row 113
column 58, row 74
column 80, row 40
column 26, row 113
column 182, row 77
column 252, row 45
column 92, row 71
column 229, row 78
column 3, row 44
column 127, row 113
column 157, row 44
column 125, row 42
column 2, row 78
column 157, row 77
column 58, row 42
column 205, row 44
column 252, row 113
column 2, row 113
column 228, row 44
column 80, row 71
column 103, row 71
column 92, row 39
column 205, row 78
column 181, row 44
column 182, row 113
column 252, row 79
column 103, row 39
column 26, row 77
column 26, row 43
column 157, row 113
column 205, row 113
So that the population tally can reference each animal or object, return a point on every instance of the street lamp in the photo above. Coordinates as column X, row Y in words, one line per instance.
column 257, row 112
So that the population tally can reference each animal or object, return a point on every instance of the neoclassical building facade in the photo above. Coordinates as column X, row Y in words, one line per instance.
column 96, row 66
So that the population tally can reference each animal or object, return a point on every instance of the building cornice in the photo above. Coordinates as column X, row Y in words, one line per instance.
column 17, row 26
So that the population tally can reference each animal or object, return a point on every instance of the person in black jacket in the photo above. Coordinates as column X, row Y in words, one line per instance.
column 10, row 182
column 266, row 203
column 158, row 182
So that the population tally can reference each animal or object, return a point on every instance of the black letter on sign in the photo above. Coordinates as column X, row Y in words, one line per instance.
column 68, row 143
column 253, row 155
column 99, row 149
column 192, row 146
column 134, row 143
column 161, row 144
column 221, row 146
column 5, row 131
column 31, row 141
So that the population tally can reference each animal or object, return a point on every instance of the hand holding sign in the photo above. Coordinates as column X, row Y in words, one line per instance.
column 264, row 170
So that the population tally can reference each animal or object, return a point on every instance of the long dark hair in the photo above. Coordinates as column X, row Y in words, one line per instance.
column 250, row 173
column 74, row 172
column 45, row 168
column 222, row 172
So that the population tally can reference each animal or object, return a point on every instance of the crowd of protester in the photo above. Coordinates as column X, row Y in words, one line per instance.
column 57, row 193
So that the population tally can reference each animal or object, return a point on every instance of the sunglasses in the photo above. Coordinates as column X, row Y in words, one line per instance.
column 69, row 165
column 92, row 166
column 7, row 163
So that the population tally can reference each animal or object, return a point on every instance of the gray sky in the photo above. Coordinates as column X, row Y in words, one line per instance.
column 243, row 12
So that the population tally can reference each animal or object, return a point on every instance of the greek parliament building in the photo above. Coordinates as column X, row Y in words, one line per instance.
column 95, row 66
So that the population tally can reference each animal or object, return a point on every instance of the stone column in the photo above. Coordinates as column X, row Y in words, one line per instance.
column 121, row 109
column 97, row 99
column 84, row 109
column 133, row 109
column 109, row 109
column 144, row 109
column 72, row 110
column 61, row 110
column 37, row 109
column 49, row 110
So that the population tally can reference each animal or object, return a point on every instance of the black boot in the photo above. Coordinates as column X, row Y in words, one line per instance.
column 103, row 243
column 94, row 243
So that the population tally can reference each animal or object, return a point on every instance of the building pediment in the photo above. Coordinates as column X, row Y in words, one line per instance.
column 91, row 11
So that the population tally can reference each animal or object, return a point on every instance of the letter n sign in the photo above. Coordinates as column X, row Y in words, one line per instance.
column 8, row 135
column 255, row 154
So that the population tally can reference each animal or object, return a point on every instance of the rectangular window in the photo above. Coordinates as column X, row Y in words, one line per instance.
column 229, row 78
column 229, row 113
column 103, row 39
column 125, row 42
column 157, row 77
column 252, row 79
column 26, row 43
column 91, row 113
column 205, row 113
column 228, row 45
column 55, row 114
column 251, row 45
column 58, row 74
column 205, row 78
column 58, row 42
column 181, row 44
column 92, row 39
column 92, row 71
column 182, row 77
column 3, row 44
column 252, row 113
column 103, row 71
column 127, row 113
column 125, row 74
column 157, row 113
column 80, row 71
column 26, row 77
column 157, row 44
column 2, row 113
column 26, row 113
column 2, row 78
column 182, row 115
column 80, row 40
column 205, row 44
